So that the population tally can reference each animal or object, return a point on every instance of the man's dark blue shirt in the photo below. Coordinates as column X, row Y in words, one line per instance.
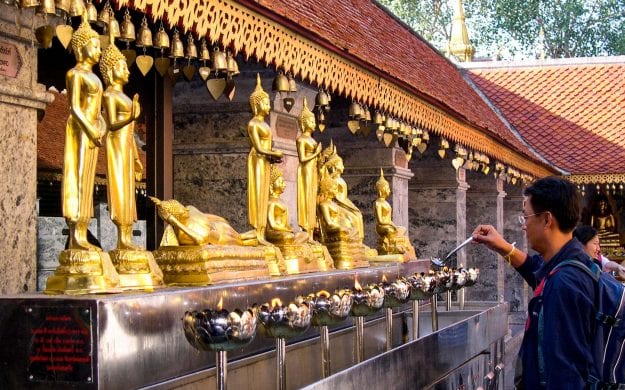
column 568, row 317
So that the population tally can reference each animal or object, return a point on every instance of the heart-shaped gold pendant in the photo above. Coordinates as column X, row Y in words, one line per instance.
column 442, row 152
column 288, row 103
column 422, row 147
column 188, row 71
column 162, row 64
column 216, row 87
column 230, row 89
column 379, row 133
column 204, row 72
column 64, row 34
column 44, row 35
column 174, row 73
column 144, row 63
column 389, row 139
column 321, row 127
column 353, row 126
column 130, row 55
column 409, row 155
column 457, row 162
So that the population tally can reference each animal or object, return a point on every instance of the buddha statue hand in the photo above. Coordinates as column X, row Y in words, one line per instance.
column 136, row 107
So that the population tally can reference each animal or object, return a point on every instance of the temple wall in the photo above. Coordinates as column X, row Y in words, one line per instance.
column 20, row 98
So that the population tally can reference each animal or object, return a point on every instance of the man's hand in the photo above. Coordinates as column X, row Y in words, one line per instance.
column 489, row 236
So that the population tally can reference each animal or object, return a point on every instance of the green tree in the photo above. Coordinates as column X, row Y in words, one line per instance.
column 572, row 28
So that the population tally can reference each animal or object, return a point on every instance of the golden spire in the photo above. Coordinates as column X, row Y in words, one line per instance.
column 258, row 94
column 305, row 114
column 381, row 181
column 459, row 44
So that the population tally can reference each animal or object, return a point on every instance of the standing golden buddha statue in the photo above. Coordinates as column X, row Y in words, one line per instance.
column 135, row 265
column 259, row 161
column 392, row 239
column 300, row 254
column 308, row 151
column 83, row 268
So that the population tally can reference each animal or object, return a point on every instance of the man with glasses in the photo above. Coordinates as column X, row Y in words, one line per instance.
column 551, row 210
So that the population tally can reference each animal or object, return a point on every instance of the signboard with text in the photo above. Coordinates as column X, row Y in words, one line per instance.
column 10, row 60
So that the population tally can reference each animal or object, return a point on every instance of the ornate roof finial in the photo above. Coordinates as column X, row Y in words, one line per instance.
column 459, row 44
column 542, row 53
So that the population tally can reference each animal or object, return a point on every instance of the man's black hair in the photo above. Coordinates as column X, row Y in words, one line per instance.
column 585, row 233
column 559, row 197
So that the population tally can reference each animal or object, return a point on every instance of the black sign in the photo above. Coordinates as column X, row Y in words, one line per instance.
column 60, row 346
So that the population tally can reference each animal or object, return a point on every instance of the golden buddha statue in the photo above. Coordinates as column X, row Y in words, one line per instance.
column 259, row 161
column 300, row 254
column 308, row 151
column 392, row 239
column 199, row 248
column 605, row 223
column 136, row 266
column 83, row 268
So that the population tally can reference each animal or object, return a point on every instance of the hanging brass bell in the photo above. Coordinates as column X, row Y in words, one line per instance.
column 29, row 3
column 62, row 6
column 280, row 83
column 77, row 8
column 220, row 62
column 232, row 66
column 176, row 48
column 92, row 12
column 377, row 118
column 292, row 83
column 46, row 7
column 103, row 17
column 366, row 114
column 161, row 41
column 145, row 34
column 355, row 111
column 190, row 52
column 113, row 27
column 127, row 29
column 205, row 54
column 322, row 99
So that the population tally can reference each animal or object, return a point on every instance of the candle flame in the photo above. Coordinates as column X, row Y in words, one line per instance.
column 357, row 285
column 384, row 280
column 220, row 305
column 276, row 302
column 323, row 293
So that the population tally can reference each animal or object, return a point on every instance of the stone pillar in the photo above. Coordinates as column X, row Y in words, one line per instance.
column 516, row 290
column 485, row 206
column 20, row 98
column 437, row 206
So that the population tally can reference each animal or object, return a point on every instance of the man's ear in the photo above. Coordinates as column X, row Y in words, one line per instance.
column 549, row 220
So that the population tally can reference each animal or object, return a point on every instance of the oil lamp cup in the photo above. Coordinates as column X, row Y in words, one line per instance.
column 466, row 277
column 422, row 287
column 328, row 309
column 281, row 322
column 367, row 301
column 395, row 294
column 220, row 331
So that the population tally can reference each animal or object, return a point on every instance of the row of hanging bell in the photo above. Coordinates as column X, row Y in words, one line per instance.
column 285, row 84
column 64, row 8
column 322, row 107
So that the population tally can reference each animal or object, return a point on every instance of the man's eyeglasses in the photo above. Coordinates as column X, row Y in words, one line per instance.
column 523, row 218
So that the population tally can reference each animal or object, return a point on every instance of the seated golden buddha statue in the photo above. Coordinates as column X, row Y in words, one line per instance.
column 604, row 221
column 392, row 239
column 199, row 248
column 299, row 254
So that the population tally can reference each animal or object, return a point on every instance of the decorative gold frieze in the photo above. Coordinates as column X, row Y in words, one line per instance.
column 601, row 178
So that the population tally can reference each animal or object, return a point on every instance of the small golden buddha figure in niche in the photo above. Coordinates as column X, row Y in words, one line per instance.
column 300, row 254
column 136, row 266
column 83, row 267
column 602, row 219
column 392, row 239
column 259, row 160
column 198, row 248
column 336, row 222
column 308, row 151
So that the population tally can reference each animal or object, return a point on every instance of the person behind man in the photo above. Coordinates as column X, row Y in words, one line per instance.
column 551, row 210
column 589, row 237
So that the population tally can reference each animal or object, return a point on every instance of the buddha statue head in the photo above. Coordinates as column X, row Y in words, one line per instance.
column 259, row 99
column 113, row 65
column 86, row 43
column 169, row 208
column 382, row 186
column 306, row 118
column 277, row 181
column 330, row 161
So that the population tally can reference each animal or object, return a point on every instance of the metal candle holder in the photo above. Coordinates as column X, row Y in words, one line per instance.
column 463, row 277
column 367, row 301
column 395, row 294
column 328, row 309
column 422, row 287
column 281, row 322
column 219, row 331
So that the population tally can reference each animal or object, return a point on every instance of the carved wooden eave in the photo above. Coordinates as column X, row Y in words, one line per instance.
column 600, row 178
column 249, row 32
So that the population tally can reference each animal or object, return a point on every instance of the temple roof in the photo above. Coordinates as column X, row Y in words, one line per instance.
column 572, row 111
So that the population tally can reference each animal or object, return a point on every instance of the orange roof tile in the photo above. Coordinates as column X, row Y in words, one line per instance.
column 573, row 114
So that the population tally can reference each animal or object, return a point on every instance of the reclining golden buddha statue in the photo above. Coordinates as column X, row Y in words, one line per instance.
column 199, row 248
column 300, row 254
column 392, row 239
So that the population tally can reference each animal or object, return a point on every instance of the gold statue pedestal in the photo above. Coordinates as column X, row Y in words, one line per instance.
column 83, row 272
column 349, row 254
column 191, row 265
column 137, row 269
column 396, row 249
column 301, row 258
